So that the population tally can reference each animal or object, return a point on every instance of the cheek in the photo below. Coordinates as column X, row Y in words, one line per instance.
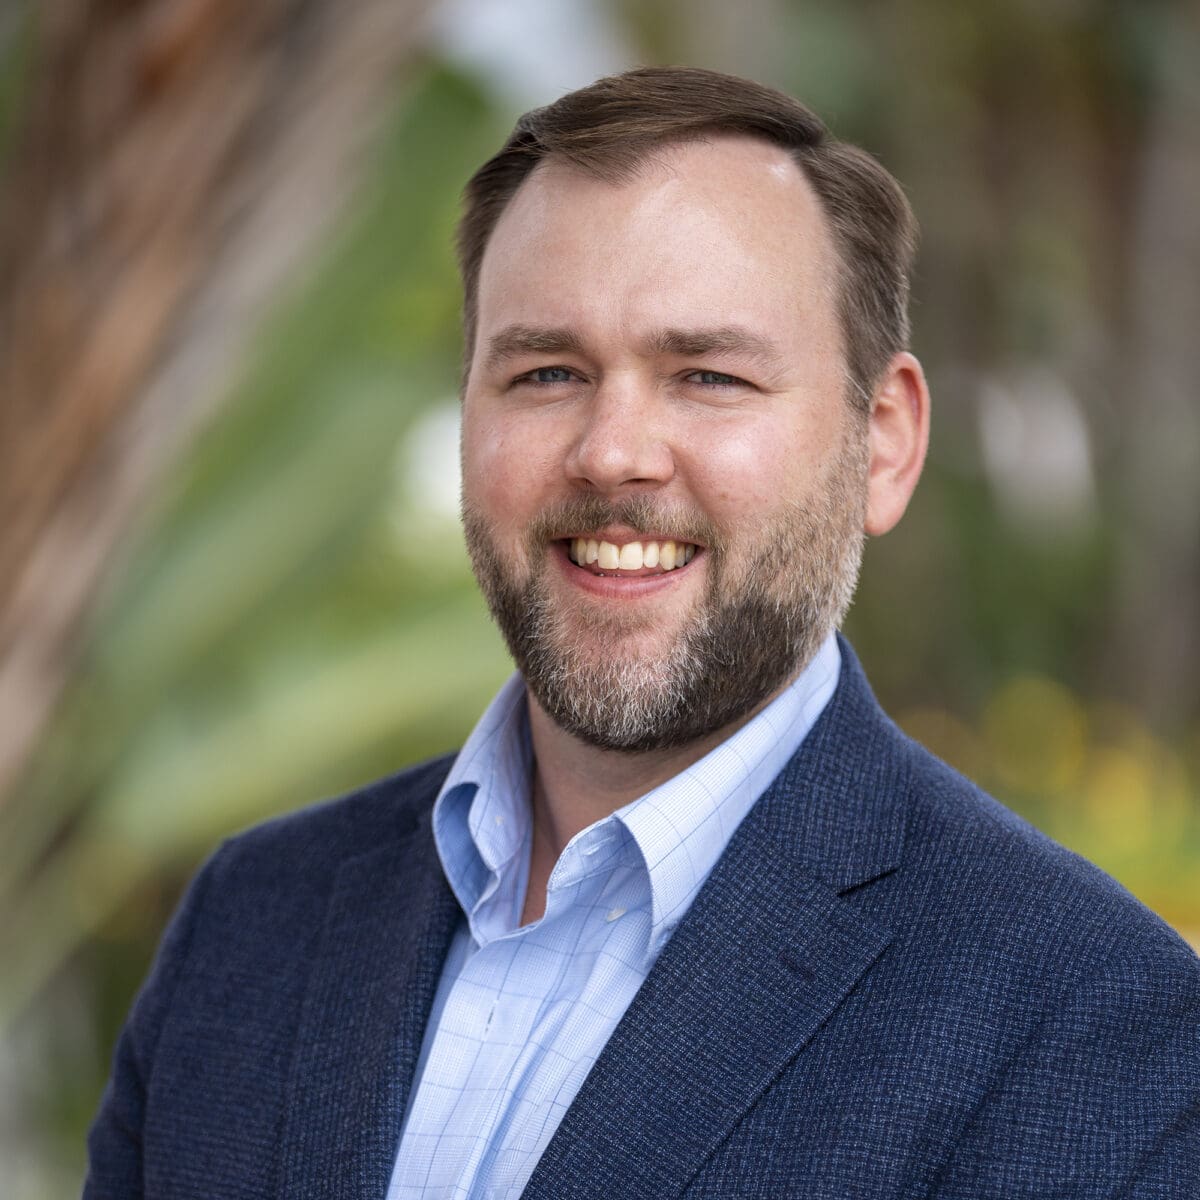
column 748, row 470
column 504, row 471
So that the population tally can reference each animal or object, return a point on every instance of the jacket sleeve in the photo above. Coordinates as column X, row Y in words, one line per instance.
column 115, row 1138
column 1103, row 1100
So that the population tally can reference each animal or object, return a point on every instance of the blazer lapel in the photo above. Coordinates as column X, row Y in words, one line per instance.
column 388, row 926
column 763, row 958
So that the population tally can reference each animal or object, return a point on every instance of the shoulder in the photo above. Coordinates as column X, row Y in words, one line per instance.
column 277, row 876
column 973, row 877
column 263, row 892
column 344, row 827
column 230, row 976
column 1026, row 905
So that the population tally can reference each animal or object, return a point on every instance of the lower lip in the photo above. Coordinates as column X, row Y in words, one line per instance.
column 618, row 587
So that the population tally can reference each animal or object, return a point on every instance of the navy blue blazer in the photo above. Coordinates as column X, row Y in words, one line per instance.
column 889, row 986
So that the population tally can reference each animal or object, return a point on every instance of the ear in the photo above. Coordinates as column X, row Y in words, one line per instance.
column 898, row 437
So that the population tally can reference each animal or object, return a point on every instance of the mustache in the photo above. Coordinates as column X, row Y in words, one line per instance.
column 642, row 514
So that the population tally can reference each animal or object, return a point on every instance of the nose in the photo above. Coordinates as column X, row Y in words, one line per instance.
column 621, row 443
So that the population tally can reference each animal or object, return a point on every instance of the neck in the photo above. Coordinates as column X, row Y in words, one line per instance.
column 576, row 784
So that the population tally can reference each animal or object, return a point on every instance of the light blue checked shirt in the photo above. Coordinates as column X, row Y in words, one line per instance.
column 522, row 1013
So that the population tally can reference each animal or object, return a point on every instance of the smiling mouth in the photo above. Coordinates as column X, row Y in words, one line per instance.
column 644, row 557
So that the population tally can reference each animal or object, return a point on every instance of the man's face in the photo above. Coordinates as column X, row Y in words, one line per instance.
column 658, row 378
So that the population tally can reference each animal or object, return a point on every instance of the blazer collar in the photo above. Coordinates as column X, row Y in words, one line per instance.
column 768, row 951
column 839, row 806
column 388, row 925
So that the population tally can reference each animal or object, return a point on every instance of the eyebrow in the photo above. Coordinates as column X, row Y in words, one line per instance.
column 721, row 339
column 515, row 340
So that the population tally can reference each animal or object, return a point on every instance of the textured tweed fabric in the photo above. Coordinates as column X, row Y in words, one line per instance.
column 889, row 986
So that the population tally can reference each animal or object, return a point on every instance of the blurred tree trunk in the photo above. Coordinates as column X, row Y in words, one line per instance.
column 177, row 159
column 1156, row 634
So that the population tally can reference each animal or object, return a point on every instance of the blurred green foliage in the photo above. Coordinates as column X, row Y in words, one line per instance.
column 289, row 621
column 16, row 41
column 295, row 616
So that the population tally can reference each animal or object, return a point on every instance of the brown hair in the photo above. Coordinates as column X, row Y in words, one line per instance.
column 610, row 127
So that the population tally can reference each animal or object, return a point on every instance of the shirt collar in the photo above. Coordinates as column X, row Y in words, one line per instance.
column 481, row 818
column 481, row 821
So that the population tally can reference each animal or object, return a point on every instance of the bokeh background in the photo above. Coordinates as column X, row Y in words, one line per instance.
column 231, row 580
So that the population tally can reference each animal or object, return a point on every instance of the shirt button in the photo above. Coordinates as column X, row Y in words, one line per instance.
column 614, row 913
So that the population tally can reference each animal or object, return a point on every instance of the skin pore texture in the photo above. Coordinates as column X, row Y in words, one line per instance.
column 659, row 371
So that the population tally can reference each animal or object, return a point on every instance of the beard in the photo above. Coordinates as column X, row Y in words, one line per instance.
column 764, row 613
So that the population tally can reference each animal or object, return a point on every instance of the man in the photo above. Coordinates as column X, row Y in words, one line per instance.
column 687, row 915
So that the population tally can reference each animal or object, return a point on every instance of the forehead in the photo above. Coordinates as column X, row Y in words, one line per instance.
column 728, row 223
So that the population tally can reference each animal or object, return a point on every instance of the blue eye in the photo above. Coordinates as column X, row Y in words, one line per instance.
column 716, row 379
column 550, row 375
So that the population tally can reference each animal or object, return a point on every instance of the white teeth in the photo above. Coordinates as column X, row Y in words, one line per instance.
column 632, row 556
